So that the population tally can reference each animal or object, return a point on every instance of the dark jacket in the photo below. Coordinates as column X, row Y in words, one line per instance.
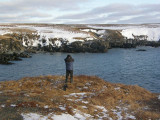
column 69, row 63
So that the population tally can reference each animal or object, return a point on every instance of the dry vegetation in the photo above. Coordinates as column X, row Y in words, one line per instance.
column 45, row 94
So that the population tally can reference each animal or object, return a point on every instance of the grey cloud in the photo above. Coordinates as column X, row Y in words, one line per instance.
column 29, row 9
column 27, row 5
column 142, row 19
column 112, row 8
column 117, row 12
column 27, row 17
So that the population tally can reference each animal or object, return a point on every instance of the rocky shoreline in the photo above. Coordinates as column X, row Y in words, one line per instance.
column 19, row 41
column 75, row 47
column 7, row 58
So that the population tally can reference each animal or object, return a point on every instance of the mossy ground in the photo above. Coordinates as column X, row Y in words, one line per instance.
column 45, row 94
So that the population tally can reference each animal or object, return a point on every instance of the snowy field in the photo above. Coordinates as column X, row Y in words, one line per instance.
column 150, row 30
column 71, row 34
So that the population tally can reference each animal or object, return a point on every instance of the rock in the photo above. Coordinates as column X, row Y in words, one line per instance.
column 10, row 45
column 24, row 55
column 94, row 46
column 128, row 45
column 5, row 58
column 141, row 50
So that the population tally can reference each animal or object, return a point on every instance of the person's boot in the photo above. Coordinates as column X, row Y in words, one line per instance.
column 71, row 80
column 65, row 87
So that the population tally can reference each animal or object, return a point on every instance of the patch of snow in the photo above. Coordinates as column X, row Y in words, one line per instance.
column 159, row 97
column 12, row 105
column 34, row 116
column 103, row 113
column 58, row 43
column 118, row 88
column 2, row 32
column 88, row 84
column 85, row 87
column 46, row 106
column 75, row 94
column 102, row 108
column 89, row 30
column 26, row 95
column 62, row 108
column 84, row 107
column 94, row 30
column 63, row 117
column 50, row 32
column 85, row 102
column 101, row 32
column 81, row 116
column 112, row 27
column 128, row 116
column 119, row 111
column 78, row 116
column 70, row 99
column 152, row 33
column 88, row 38
column 3, row 106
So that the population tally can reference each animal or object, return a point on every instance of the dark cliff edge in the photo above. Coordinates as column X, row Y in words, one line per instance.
column 16, row 45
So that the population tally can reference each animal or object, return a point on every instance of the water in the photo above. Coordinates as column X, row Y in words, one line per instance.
column 126, row 66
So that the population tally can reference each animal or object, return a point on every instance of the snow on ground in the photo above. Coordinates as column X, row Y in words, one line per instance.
column 75, row 94
column 159, row 97
column 34, row 116
column 103, row 113
column 3, row 106
column 100, row 32
column 111, row 27
column 152, row 33
column 2, row 32
column 118, row 88
column 78, row 116
column 119, row 111
column 51, row 32
column 13, row 105
column 151, row 30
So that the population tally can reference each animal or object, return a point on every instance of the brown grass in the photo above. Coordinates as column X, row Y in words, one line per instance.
column 22, row 30
column 32, row 94
column 4, row 37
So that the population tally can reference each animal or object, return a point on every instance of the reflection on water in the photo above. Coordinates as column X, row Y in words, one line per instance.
column 118, row 66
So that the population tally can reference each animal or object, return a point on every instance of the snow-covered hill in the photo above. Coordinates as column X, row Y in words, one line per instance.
column 47, row 32
column 152, row 31
column 81, row 38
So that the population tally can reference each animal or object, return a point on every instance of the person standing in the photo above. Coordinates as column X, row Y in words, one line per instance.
column 69, row 68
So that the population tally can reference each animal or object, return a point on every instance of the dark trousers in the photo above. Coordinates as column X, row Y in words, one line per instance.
column 69, row 73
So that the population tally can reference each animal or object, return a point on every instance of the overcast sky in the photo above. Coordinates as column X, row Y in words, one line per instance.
column 80, row 11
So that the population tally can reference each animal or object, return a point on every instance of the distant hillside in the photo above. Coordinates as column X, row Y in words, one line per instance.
column 77, row 38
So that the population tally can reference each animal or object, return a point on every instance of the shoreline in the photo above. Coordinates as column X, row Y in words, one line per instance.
column 6, row 58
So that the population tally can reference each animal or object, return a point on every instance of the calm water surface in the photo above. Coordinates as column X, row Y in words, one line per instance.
column 117, row 66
